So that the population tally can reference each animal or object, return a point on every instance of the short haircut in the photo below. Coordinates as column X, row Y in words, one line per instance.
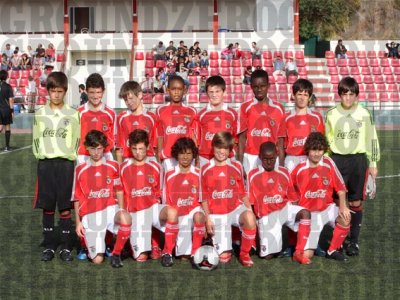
column 223, row 139
column 177, row 78
column 267, row 147
column 82, row 86
column 57, row 80
column 129, row 87
column 316, row 141
column 138, row 136
column 259, row 73
column 348, row 84
column 95, row 80
column 95, row 138
column 215, row 81
column 182, row 145
column 3, row 75
column 302, row 85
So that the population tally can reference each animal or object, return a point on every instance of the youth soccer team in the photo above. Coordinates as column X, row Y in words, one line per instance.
column 201, row 175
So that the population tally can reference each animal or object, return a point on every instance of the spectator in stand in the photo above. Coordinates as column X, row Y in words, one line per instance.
column 204, row 59
column 182, row 46
column 43, row 78
column 170, row 50
column 30, row 52
column 25, row 62
column 84, row 96
column 340, row 50
column 184, row 73
column 194, row 62
column 195, row 49
column 159, row 51
column 236, row 51
column 161, row 73
column 181, row 58
column 279, row 67
column 8, row 51
column 31, row 94
column 202, row 84
column 41, row 52
column 50, row 53
column 255, row 51
column 158, row 85
column 247, row 75
column 37, row 62
column 291, row 67
column 227, row 52
column 5, row 63
column 393, row 49
column 147, row 84
column 15, row 61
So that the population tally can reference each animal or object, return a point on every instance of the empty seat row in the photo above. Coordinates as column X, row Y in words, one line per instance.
column 359, row 54
column 362, row 62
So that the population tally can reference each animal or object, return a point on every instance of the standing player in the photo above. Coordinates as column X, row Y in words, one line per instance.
column 56, row 130
column 259, row 122
column 96, row 115
column 175, row 120
column 215, row 117
column 273, row 196
column 140, row 178
column 96, row 182
column 136, row 117
column 315, row 180
column 225, row 202
column 6, row 107
column 299, row 123
column 352, row 137
column 181, row 191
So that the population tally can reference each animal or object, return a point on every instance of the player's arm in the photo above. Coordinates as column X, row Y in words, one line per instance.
column 373, row 149
column 119, row 155
column 120, row 198
column 160, row 143
column 80, row 231
column 209, row 223
column 344, row 211
column 242, row 143
column 281, row 150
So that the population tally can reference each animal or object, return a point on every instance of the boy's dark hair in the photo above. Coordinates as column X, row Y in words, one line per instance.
column 182, row 145
column 95, row 138
column 95, row 80
column 139, row 136
column 348, row 84
column 302, row 85
column 316, row 141
column 259, row 73
column 57, row 80
column 129, row 87
column 223, row 139
column 3, row 75
column 82, row 86
column 267, row 147
column 177, row 78
column 215, row 81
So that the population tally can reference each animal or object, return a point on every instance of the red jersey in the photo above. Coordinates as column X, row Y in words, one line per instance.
column 270, row 191
column 141, row 184
column 128, row 122
column 222, row 186
column 102, row 120
column 262, row 122
column 94, row 186
column 181, row 190
column 174, row 121
column 296, row 129
column 210, row 122
column 315, row 185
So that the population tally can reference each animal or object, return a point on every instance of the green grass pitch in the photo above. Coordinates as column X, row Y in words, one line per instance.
column 372, row 275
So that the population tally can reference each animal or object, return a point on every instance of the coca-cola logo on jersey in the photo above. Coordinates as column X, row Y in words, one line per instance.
column 103, row 193
column 180, row 129
column 60, row 132
column 209, row 136
column 265, row 132
column 273, row 199
column 352, row 134
column 185, row 202
column 299, row 141
column 228, row 194
column 317, row 194
column 146, row 191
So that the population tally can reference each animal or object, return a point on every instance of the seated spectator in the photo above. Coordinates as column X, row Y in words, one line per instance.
column 204, row 59
column 202, row 84
column 170, row 50
column 195, row 49
column 184, row 73
column 181, row 58
column 15, row 61
column 194, row 61
column 236, row 51
column 159, row 51
column 161, row 73
column 255, row 51
column 50, row 53
column 227, row 52
column 158, row 85
column 279, row 67
column 8, row 51
column 183, row 47
column 393, row 49
column 340, row 50
column 5, row 64
column 291, row 67
column 37, row 62
column 43, row 78
column 247, row 75
column 25, row 62
column 147, row 84
column 30, row 52
column 41, row 52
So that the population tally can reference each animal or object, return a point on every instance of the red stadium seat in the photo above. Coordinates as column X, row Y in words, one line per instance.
column 354, row 71
column 237, row 71
column 60, row 57
column 269, row 70
column 149, row 64
column 342, row 62
column 361, row 54
column 273, row 96
column 227, row 80
column 272, row 89
column 25, row 73
column 281, row 79
column 394, row 97
column 247, row 88
column 371, row 54
column 384, row 62
column 193, row 89
column 381, row 54
column 214, row 55
column 372, row 97
column 383, row 97
column 380, row 87
column 396, row 70
column 278, row 53
column 365, row 71
column 267, row 54
column 301, row 62
column 368, row 79
column 344, row 71
column 246, row 54
column 282, row 88
column 23, row 82
column 225, row 63
column 193, row 98
column 394, row 62
column 376, row 71
column 149, row 56
column 352, row 62
column 330, row 62
column 387, row 70
column 389, row 79
column 13, row 82
column 158, row 99
column 257, row 63
column 292, row 79
column 203, row 72
column 363, row 62
column 302, row 71
column 271, row 79
column 369, row 88
column 147, row 98
column 236, row 63
column 329, row 54
column 160, row 64
column 41, row 101
column 139, row 55
column 269, row 63
column 249, row 96
column 378, row 79
column 193, row 80
column 228, row 98
column 203, row 98
column 391, row 87
column 350, row 54
column 214, row 71
column 225, row 71
column 149, row 71
column 332, row 71
column 335, row 79
column 237, row 89
column 15, row 74
column 288, row 54
column 299, row 54
column 214, row 63
column 246, row 62
column 238, row 98
column 357, row 78
column 373, row 62
column 42, row 91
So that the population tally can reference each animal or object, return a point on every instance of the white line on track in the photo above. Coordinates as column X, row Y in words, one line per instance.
column 15, row 150
column 388, row 176
column 9, row 197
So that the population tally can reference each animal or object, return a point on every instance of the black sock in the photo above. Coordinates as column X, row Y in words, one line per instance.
column 356, row 219
column 65, row 226
column 48, row 230
column 8, row 136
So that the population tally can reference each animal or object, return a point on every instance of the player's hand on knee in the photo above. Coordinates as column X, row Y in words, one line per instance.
column 79, row 229
column 345, row 214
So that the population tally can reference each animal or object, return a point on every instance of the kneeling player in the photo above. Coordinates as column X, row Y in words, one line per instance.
column 315, row 180
column 225, row 202
column 182, row 192
column 96, row 210
column 140, row 179
column 271, row 191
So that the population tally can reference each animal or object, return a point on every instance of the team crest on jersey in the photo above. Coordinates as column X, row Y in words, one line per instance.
column 150, row 178
column 325, row 180
column 194, row 189
column 280, row 189
column 232, row 181
column 272, row 122
column 105, row 127
column 228, row 125
column 187, row 119
column 359, row 123
column 66, row 122
column 108, row 180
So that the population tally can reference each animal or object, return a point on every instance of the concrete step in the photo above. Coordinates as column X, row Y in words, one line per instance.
column 316, row 72
column 316, row 64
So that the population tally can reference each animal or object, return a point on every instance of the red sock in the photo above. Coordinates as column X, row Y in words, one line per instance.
column 171, row 232
column 82, row 242
column 292, row 237
column 248, row 237
column 302, row 234
column 155, row 238
column 197, row 236
column 339, row 235
column 123, row 234
column 236, row 235
column 109, row 239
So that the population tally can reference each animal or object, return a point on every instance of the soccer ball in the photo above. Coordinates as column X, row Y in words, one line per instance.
column 206, row 258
